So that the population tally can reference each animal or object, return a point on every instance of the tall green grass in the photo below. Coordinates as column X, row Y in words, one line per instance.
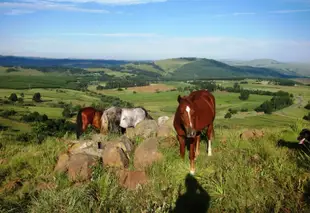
column 241, row 176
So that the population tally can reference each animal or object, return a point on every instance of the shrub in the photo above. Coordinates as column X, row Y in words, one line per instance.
column 307, row 117
column 244, row 95
column 13, row 97
column 244, row 110
column 228, row 115
column 37, row 97
column 232, row 111
column 308, row 105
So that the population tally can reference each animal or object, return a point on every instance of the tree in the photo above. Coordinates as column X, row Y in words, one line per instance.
column 244, row 95
column 13, row 97
column 37, row 97
column 236, row 86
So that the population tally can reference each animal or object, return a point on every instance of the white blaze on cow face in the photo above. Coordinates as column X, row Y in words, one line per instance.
column 188, row 110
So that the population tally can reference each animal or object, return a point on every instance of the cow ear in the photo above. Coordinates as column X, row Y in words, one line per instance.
column 179, row 98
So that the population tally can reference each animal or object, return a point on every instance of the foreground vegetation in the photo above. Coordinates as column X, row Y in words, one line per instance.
column 242, row 175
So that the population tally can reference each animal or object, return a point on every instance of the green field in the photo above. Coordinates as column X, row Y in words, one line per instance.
column 26, row 82
column 234, row 177
column 110, row 72
column 170, row 65
column 21, row 72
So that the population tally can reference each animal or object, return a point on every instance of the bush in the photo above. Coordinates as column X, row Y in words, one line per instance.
column 37, row 97
column 24, row 137
column 7, row 113
column 34, row 117
column 20, row 100
column 244, row 95
column 244, row 110
column 308, row 106
column 307, row 117
column 13, row 97
column 232, row 111
column 228, row 115
column 99, row 87
column 66, row 113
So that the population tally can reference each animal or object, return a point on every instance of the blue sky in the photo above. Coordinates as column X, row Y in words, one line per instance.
column 156, row 29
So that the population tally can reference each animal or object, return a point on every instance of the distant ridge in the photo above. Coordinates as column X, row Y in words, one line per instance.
column 175, row 68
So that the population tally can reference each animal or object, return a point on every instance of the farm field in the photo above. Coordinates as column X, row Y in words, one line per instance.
column 109, row 72
column 159, row 100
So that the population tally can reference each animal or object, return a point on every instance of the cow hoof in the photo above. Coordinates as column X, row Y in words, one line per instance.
column 209, row 154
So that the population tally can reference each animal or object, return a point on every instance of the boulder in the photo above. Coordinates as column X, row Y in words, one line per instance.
column 123, row 143
column 251, row 134
column 114, row 156
column 145, row 129
column 87, row 147
column 147, row 153
column 132, row 179
column 98, row 138
column 165, row 131
column 161, row 120
column 62, row 163
column 167, row 142
column 79, row 166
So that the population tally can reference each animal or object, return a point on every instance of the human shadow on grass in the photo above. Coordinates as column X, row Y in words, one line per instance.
column 195, row 199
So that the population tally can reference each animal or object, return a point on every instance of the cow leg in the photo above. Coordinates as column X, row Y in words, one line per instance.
column 182, row 146
column 210, row 136
column 192, row 155
column 84, row 123
column 197, row 146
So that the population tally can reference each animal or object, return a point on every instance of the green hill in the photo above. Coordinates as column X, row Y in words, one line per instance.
column 208, row 68
column 289, row 68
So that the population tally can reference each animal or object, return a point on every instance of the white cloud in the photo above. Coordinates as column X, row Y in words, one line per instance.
column 290, row 11
column 239, row 14
column 18, row 12
column 158, row 48
column 234, row 14
column 47, row 5
column 111, row 34
column 113, row 2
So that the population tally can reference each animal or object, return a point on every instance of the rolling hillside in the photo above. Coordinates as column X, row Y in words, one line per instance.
column 208, row 68
column 176, row 68
column 289, row 68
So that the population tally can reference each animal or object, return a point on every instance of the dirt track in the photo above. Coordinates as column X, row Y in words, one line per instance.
column 151, row 88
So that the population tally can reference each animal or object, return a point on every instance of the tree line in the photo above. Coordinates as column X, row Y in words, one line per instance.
column 279, row 101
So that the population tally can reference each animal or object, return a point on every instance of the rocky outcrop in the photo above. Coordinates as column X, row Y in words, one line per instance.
column 161, row 120
column 81, row 157
column 132, row 179
column 114, row 156
column 147, row 153
column 79, row 166
column 144, row 129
